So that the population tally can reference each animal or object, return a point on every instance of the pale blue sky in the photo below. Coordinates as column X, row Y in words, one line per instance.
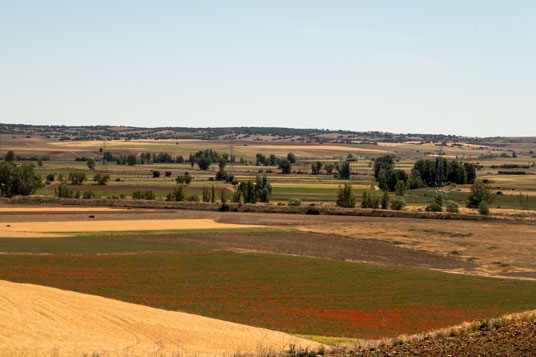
column 453, row 67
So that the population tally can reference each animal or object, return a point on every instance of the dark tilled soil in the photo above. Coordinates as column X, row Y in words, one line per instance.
column 514, row 340
column 317, row 245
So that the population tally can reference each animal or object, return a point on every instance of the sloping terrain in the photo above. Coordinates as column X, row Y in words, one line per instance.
column 38, row 320
column 518, row 339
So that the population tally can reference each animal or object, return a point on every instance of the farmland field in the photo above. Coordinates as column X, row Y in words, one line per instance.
column 324, row 273
column 290, row 294
column 274, row 276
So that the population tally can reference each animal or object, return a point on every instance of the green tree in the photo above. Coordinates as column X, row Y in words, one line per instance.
column 263, row 188
column 345, row 196
column 400, row 188
column 222, row 163
column 10, row 156
column 204, row 163
column 397, row 203
column 316, row 167
column 101, row 178
column 77, row 178
column 63, row 191
column 329, row 167
column 385, row 162
column 178, row 194
column 248, row 192
column 480, row 192
column 131, row 160
column 206, row 194
column 387, row 179
column 343, row 170
column 385, row 200
column 285, row 166
column 291, row 158
column 91, row 163
column 18, row 180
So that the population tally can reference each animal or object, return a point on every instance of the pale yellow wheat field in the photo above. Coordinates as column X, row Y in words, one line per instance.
column 42, row 321
column 12, row 229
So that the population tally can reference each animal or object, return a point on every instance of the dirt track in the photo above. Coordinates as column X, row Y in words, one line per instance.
column 43, row 321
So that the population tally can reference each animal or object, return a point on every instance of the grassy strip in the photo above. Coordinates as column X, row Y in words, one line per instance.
column 90, row 245
column 294, row 294
column 330, row 340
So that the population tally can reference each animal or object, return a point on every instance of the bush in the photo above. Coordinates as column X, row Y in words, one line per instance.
column 483, row 208
column 370, row 200
column 167, row 173
column 221, row 175
column 296, row 202
column 50, row 177
column 143, row 195
column 156, row 174
column 63, row 191
column 312, row 211
column 194, row 197
column 398, row 203
column 88, row 194
column 385, row 200
column 439, row 198
column 236, row 197
column 434, row 207
column 345, row 197
column 178, row 194
column 77, row 178
column 400, row 188
column 184, row 179
column 452, row 206
column 101, row 178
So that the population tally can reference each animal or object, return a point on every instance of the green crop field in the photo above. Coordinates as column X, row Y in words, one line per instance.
column 307, row 296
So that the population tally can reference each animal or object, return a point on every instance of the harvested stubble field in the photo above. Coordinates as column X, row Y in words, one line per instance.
column 12, row 228
column 42, row 321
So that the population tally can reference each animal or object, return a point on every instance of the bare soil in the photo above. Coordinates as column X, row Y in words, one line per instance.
column 518, row 339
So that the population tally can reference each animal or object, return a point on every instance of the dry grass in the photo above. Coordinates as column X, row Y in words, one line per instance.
column 497, row 246
column 42, row 321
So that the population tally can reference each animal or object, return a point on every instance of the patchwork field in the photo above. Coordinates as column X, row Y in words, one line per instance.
column 272, row 277
column 167, row 281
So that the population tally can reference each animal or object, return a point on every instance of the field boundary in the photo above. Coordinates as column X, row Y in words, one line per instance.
column 462, row 329
column 263, row 208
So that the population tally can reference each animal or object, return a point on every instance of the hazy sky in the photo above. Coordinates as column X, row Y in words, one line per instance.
column 454, row 67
